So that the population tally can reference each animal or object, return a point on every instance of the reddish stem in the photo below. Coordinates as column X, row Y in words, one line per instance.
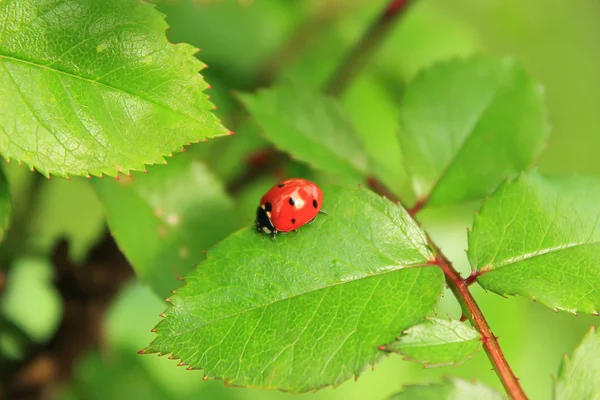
column 470, row 308
column 418, row 206
column 471, row 279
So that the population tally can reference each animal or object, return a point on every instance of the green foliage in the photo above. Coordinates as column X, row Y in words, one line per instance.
column 437, row 342
column 467, row 124
column 65, row 209
column 449, row 389
column 121, row 373
column 308, row 310
column 30, row 300
column 578, row 377
column 93, row 87
column 310, row 126
column 377, row 125
column 163, row 221
column 538, row 237
column 99, row 90
column 5, row 204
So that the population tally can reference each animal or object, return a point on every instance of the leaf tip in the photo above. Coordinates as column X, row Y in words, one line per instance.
column 143, row 351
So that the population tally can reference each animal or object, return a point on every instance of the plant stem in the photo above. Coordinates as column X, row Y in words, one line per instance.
column 470, row 309
column 340, row 80
column 362, row 52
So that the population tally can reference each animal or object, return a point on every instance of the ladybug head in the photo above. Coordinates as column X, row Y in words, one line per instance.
column 263, row 221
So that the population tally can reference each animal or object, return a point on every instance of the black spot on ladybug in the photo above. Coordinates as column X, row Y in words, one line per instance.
column 315, row 204
column 280, row 185
column 292, row 202
column 293, row 221
column 268, row 207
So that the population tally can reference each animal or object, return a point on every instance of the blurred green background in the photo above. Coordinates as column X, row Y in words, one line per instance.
column 248, row 43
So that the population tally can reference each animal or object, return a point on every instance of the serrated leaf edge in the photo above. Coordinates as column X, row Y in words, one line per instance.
column 482, row 271
column 114, row 171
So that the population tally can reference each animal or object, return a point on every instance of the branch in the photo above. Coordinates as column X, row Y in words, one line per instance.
column 470, row 308
column 362, row 52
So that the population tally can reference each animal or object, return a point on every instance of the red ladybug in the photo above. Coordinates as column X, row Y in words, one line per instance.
column 288, row 205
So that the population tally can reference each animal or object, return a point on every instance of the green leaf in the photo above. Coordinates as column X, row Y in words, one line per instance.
column 305, row 310
column 467, row 124
column 578, row 376
column 437, row 342
column 31, row 300
column 449, row 389
column 99, row 90
column 261, row 28
column 231, row 158
column 65, row 209
column 163, row 221
column 5, row 204
column 374, row 114
column 539, row 237
column 311, row 127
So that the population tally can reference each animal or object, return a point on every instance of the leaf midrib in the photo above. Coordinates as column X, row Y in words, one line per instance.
column 265, row 305
column 92, row 82
column 438, row 344
column 531, row 255
column 464, row 143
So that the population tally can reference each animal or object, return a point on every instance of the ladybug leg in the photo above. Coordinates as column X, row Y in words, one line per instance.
column 273, row 234
column 296, row 230
column 322, row 212
column 311, row 221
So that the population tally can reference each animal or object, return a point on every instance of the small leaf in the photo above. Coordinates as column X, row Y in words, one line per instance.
column 99, row 90
column 437, row 342
column 5, row 204
column 578, row 376
column 31, row 300
column 449, row 389
column 65, row 209
column 305, row 310
column 311, row 127
column 539, row 237
column 163, row 221
column 467, row 124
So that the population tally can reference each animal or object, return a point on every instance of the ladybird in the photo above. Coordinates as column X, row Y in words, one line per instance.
column 288, row 205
